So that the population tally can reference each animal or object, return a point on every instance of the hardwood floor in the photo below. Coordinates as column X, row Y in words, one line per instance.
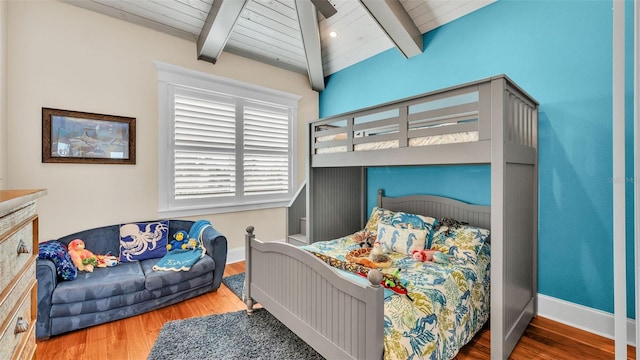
column 133, row 338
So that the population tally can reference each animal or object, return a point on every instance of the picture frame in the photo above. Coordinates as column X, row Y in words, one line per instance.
column 87, row 138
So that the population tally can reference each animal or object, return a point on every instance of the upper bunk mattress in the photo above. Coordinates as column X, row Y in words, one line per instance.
column 458, row 137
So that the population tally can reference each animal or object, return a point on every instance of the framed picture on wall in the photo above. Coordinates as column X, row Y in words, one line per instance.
column 80, row 137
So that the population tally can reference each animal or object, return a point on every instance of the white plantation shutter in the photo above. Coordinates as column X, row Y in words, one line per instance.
column 224, row 145
column 205, row 145
column 266, row 149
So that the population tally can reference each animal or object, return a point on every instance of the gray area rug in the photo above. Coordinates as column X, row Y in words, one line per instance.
column 235, row 335
column 235, row 283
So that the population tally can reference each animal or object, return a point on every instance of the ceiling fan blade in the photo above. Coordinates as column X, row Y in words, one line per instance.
column 325, row 7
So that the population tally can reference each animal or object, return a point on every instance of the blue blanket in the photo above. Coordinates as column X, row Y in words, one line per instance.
column 179, row 259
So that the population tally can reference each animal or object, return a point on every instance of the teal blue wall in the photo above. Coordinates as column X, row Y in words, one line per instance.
column 559, row 52
column 468, row 183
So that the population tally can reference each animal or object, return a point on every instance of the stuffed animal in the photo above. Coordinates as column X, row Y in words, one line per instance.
column 429, row 255
column 422, row 255
column 441, row 258
column 391, row 282
column 84, row 259
column 365, row 238
column 377, row 255
column 181, row 241
column 106, row 261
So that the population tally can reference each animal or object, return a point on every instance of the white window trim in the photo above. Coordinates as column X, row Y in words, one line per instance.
column 171, row 75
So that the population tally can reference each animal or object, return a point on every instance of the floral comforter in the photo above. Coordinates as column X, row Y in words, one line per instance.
column 450, row 302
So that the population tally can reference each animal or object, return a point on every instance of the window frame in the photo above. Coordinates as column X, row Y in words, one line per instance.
column 172, row 77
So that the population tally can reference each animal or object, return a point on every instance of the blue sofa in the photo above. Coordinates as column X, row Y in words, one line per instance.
column 125, row 290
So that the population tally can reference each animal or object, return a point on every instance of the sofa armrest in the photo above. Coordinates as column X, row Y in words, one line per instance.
column 216, row 245
column 47, row 281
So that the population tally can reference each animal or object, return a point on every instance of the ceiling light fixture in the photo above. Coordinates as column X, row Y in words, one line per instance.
column 333, row 34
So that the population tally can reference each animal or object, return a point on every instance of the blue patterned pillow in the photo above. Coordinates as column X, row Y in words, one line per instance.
column 57, row 252
column 462, row 241
column 404, row 220
column 402, row 241
column 140, row 241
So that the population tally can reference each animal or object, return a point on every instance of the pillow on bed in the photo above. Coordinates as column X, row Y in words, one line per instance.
column 403, row 220
column 462, row 241
column 402, row 241
column 378, row 215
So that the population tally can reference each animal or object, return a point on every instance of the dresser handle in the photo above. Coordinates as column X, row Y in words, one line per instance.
column 22, row 248
column 21, row 326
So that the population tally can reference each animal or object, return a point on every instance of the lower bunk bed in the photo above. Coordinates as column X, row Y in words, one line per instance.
column 435, row 309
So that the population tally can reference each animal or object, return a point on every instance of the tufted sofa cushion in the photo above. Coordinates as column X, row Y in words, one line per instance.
column 159, row 279
column 125, row 278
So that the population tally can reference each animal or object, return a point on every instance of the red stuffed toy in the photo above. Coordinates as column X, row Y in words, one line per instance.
column 429, row 255
column 423, row 255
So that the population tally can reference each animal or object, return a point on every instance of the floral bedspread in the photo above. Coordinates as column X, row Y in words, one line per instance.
column 450, row 303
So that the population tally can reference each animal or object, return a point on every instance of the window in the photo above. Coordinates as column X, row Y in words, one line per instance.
column 224, row 145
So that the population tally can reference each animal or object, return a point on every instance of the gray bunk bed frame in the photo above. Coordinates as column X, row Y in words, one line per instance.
column 342, row 319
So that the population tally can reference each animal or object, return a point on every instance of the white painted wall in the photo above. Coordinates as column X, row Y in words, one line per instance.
column 65, row 57
column 3, row 91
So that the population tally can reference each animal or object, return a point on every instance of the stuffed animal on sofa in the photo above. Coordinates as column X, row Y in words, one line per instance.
column 106, row 261
column 181, row 241
column 82, row 258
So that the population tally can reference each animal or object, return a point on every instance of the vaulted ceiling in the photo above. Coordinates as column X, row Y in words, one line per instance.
column 293, row 34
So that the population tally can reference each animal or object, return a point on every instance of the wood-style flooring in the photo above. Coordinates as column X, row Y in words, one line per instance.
column 133, row 338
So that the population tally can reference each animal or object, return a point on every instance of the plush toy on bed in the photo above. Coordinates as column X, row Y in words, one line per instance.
column 365, row 238
column 429, row 255
column 181, row 241
column 377, row 255
column 82, row 258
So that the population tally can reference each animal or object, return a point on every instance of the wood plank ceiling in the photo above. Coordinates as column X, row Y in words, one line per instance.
column 292, row 34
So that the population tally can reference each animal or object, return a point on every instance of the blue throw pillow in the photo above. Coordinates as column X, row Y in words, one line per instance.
column 404, row 220
column 57, row 252
column 146, row 240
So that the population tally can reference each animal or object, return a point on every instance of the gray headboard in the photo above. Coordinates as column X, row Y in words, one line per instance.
column 438, row 207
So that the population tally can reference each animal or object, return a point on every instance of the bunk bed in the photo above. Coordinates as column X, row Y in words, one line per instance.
column 490, row 121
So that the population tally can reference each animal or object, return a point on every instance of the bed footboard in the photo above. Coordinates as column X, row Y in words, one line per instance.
column 337, row 317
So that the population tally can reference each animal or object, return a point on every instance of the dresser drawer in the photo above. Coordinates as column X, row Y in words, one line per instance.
column 13, row 340
column 17, row 217
column 29, row 350
column 12, row 262
column 14, row 293
column 18, row 285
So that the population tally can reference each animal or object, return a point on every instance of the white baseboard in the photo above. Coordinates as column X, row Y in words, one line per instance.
column 582, row 317
column 235, row 255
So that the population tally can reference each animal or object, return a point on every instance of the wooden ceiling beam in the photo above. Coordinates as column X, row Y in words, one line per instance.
column 308, row 20
column 217, row 28
column 394, row 20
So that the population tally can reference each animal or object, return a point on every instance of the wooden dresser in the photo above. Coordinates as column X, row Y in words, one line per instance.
column 18, row 254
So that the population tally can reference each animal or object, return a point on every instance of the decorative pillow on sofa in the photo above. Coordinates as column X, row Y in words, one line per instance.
column 146, row 240
column 462, row 241
column 402, row 241
column 57, row 252
column 378, row 215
